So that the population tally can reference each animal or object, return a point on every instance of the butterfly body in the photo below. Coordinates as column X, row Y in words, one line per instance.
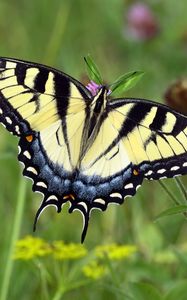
column 88, row 150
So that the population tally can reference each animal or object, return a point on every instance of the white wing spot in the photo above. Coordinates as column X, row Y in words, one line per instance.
column 99, row 200
column 161, row 171
column 177, row 175
column 1, row 112
column 19, row 149
column 8, row 120
column 42, row 184
column 185, row 164
column 17, row 129
column 32, row 170
column 148, row 173
column 52, row 197
column 138, row 186
column 84, row 205
column 27, row 154
column 118, row 195
column 128, row 186
column 175, row 168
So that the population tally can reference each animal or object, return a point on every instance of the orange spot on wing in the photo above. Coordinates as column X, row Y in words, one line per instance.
column 70, row 197
column 135, row 172
column 29, row 138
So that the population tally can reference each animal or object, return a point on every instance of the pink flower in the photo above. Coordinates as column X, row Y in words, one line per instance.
column 93, row 87
column 141, row 22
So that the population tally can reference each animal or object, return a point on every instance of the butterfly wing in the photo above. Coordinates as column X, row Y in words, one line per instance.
column 49, row 111
column 46, row 109
column 34, row 96
column 138, row 139
column 157, row 136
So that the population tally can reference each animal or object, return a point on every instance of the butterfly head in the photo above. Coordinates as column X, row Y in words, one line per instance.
column 102, row 91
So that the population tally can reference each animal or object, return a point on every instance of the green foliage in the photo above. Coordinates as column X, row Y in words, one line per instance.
column 92, row 69
column 144, row 291
column 177, row 292
column 120, row 85
column 125, row 82
column 173, row 211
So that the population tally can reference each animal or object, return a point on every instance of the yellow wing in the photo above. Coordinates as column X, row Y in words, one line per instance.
column 47, row 110
column 35, row 98
column 138, row 139
column 88, row 150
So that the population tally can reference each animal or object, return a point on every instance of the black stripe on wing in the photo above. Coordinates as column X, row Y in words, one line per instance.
column 159, row 120
column 136, row 115
column 22, row 66
column 32, row 78
column 20, row 72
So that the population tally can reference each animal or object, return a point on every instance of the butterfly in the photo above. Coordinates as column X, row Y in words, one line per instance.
column 88, row 150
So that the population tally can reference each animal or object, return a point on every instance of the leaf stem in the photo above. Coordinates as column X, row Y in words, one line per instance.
column 163, row 185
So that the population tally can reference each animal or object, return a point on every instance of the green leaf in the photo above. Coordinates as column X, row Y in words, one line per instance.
column 144, row 291
column 178, row 291
column 126, row 82
column 172, row 211
column 92, row 70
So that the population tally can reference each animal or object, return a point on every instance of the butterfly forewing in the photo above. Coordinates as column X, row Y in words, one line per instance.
column 157, row 137
column 38, row 95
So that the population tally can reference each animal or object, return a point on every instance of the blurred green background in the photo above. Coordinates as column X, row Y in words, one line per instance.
column 60, row 34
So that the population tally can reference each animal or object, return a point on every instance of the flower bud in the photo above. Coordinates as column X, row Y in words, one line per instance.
column 176, row 96
column 141, row 22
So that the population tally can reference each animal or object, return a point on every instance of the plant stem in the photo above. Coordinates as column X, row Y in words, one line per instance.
column 168, row 192
column 70, row 287
column 15, row 233
column 171, row 195
column 43, row 276
column 57, row 33
column 181, row 188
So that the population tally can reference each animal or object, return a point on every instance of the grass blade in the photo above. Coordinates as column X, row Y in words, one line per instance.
column 15, row 233
column 172, row 211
